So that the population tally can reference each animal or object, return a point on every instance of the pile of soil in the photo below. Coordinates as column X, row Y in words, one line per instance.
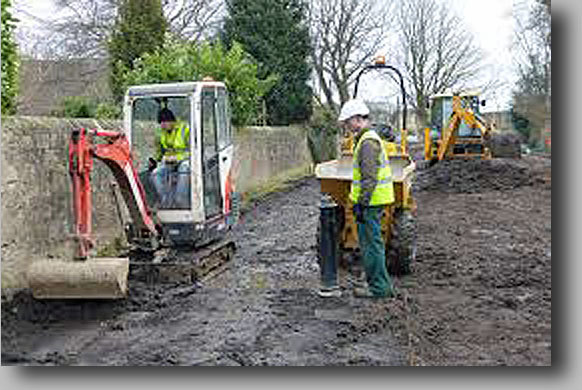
column 474, row 176
column 505, row 144
column 480, row 288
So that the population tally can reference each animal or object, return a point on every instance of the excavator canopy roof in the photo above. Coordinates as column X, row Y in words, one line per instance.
column 170, row 88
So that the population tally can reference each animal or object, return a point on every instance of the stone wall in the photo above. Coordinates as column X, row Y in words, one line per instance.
column 262, row 153
column 35, row 185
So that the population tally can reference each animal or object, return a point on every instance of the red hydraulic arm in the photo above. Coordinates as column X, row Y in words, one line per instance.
column 116, row 154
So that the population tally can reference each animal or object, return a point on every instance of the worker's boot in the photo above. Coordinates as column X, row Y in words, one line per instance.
column 356, row 274
column 329, row 292
column 363, row 291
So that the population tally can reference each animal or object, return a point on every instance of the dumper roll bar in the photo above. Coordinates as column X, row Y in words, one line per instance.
column 384, row 66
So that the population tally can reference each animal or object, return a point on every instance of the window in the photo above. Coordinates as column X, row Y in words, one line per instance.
column 224, row 131
column 145, row 131
column 208, row 124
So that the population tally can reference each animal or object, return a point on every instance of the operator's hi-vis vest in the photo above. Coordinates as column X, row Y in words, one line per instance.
column 384, row 192
column 175, row 142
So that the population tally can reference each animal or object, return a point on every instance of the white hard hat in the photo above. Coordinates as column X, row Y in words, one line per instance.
column 353, row 107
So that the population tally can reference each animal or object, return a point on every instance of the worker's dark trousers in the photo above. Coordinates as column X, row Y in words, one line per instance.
column 172, row 183
column 373, row 253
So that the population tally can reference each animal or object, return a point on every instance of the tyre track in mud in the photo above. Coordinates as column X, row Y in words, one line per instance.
column 263, row 310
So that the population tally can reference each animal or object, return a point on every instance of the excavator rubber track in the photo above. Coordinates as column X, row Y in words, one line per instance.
column 182, row 265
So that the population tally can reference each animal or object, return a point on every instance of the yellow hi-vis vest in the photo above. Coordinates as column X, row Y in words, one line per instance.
column 176, row 142
column 384, row 192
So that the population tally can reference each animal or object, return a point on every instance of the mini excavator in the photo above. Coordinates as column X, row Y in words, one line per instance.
column 184, row 241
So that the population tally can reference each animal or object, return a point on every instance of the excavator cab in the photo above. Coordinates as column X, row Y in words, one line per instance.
column 195, row 206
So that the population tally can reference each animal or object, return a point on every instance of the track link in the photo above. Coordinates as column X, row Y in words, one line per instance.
column 183, row 264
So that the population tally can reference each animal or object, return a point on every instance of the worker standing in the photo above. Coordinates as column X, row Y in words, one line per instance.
column 371, row 191
column 171, row 177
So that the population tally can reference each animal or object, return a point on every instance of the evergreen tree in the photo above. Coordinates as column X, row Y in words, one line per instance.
column 140, row 28
column 276, row 34
column 9, row 61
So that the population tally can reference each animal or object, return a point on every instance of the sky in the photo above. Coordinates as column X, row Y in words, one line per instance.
column 490, row 21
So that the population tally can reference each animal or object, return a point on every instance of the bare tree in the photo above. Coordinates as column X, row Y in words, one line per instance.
column 194, row 19
column 533, row 46
column 77, row 29
column 346, row 34
column 436, row 51
column 533, row 58
column 84, row 27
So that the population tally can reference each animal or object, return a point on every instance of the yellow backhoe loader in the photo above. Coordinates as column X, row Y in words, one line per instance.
column 457, row 129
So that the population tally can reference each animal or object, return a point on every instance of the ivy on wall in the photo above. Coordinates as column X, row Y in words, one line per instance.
column 9, row 61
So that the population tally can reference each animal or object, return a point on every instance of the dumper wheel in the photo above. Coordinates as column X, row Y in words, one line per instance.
column 401, row 250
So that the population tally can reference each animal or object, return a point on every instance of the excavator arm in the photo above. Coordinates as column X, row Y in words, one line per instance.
column 116, row 154
column 460, row 114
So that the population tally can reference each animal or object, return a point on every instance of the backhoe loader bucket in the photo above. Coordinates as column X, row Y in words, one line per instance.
column 98, row 278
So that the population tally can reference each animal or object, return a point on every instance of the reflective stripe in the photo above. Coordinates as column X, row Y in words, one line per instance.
column 388, row 180
column 384, row 164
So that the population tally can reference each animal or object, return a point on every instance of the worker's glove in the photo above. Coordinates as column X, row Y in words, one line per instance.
column 152, row 164
column 359, row 212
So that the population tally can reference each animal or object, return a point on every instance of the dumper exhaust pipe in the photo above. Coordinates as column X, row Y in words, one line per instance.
column 328, row 244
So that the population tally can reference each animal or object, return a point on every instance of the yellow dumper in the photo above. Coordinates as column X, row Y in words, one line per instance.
column 398, row 222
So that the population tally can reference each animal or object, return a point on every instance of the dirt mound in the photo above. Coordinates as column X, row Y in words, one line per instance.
column 472, row 176
column 505, row 145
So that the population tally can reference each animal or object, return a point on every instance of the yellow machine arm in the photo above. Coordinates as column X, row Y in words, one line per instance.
column 461, row 113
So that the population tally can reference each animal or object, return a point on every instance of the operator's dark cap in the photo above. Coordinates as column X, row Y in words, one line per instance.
column 166, row 115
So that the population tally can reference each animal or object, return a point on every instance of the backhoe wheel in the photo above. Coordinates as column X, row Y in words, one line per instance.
column 401, row 250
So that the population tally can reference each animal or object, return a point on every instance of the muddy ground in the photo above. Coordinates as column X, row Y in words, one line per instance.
column 479, row 293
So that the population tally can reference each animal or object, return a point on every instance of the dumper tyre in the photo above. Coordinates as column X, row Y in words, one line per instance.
column 401, row 250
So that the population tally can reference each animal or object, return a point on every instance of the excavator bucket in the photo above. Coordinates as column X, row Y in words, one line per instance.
column 94, row 278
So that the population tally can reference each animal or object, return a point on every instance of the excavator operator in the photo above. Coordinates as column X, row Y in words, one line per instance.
column 170, row 169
